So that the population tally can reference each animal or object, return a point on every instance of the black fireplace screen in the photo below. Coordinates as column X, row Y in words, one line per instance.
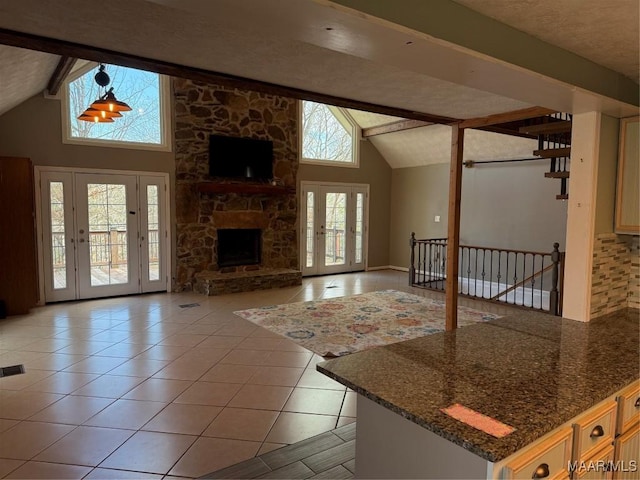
column 239, row 246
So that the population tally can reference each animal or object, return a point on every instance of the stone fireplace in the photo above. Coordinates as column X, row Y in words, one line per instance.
column 207, row 206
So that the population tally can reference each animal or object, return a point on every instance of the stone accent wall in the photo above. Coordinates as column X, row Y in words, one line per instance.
column 200, row 110
column 634, row 273
column 611, row 287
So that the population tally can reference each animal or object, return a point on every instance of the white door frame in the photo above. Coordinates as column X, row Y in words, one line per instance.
column 306, row 185
column 39, row 170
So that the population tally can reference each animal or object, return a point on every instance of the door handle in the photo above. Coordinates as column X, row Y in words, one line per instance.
column 81, row 240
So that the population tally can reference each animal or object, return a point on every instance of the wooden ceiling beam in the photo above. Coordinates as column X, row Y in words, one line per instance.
column 101, row 55
column 505, row 131
column 63, row 69
column 397, row 126
column 512, row 116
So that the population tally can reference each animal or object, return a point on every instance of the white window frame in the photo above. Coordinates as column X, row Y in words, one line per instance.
column 347, row 121
column 164, row 109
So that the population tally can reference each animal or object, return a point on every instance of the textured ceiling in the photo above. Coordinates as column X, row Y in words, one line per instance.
column 23, row 73
column 304, row 44
column 432, row 144
column 368, row 119
column 603, row 31
column 226, row 36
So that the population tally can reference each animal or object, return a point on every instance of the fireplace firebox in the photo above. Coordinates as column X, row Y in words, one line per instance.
column 239, row 246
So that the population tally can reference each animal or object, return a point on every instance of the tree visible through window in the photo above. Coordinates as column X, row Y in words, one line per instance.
column 139, row 89
column 327, row 134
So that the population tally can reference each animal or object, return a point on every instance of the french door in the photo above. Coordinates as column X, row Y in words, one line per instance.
column 102, row 234
column 334, row 228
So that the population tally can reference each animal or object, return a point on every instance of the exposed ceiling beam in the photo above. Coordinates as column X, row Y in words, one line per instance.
column 96, row 54
column 397, row 126
column 65, row 65
column 523, row 114
column 505, row 131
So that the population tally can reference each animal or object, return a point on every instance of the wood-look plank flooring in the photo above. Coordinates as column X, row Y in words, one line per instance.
column 328, row 455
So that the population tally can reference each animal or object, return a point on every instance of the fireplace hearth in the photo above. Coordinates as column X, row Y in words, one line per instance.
column 239, row 246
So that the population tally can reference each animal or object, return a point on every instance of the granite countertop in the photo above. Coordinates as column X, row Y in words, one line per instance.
column 529, row 370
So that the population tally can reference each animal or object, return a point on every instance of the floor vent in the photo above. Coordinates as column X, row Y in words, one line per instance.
column 189, row 305
column 12, row 370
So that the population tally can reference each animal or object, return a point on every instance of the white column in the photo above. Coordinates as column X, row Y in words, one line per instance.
column 585, row 146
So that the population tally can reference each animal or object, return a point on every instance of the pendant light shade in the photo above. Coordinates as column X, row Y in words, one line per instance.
column 109, row 102
column 107, row 106
column 95, row 118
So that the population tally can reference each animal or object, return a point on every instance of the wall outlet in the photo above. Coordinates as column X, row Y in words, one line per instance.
column 436, row 219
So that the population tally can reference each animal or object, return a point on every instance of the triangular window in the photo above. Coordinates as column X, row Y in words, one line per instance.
column 329, row 135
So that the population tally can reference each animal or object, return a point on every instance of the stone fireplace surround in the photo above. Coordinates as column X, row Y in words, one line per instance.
column 202, row 109
column 243, row 278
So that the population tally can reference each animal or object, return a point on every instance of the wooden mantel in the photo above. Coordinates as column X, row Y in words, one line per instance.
column 246, row 188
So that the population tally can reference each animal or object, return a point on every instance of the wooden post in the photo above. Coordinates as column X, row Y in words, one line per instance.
column 553, row 294
column 453, row 227
column 113, row 243
column 412, row 267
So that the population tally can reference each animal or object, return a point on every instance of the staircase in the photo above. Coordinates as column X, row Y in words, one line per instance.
column 554, row 143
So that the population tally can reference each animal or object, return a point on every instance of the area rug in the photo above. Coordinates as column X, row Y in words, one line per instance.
column 339, row 326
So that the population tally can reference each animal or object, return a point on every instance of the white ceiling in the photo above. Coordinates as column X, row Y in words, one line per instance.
column 286, row 42
column 603, row 31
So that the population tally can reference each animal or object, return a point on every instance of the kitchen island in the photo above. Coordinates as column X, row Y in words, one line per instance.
column 529, row 371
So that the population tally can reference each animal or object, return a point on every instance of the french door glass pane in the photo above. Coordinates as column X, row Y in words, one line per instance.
column 153, row 240
column 58, row 248
column 310, row 229
column 335, row 227
column 108, row 256
column 359, row 226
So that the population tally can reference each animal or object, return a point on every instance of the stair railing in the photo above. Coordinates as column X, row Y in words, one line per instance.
column 516, row 277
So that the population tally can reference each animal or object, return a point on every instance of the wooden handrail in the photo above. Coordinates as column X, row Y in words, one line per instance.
column 493, row 249
column 521, row 283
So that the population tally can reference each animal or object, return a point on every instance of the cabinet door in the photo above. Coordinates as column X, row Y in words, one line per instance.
column 19, row 280
column 628, row 407
column 597, row 467
column 627, row 192
column 549, row 459
column 627, row 456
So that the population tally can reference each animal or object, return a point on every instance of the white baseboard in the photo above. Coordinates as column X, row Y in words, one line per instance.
column 401, row 269
column 382, row 267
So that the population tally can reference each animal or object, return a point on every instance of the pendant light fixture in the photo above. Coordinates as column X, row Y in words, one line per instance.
column 107, row 106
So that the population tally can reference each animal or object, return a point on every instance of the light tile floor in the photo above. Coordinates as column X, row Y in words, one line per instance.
column 140, row 387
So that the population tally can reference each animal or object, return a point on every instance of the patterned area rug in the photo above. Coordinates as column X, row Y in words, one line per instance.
column 339, row 326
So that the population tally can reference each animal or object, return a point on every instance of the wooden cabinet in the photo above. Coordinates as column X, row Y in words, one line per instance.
column 627, row 455
column 602, row 443
column 594, row 431
column 628, row 186
column 627, row 443
column 628, row 408
column 603, row 457
column 18, row 271
column 548, row 459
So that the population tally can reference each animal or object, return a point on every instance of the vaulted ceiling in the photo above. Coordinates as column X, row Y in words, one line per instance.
column 376, row 53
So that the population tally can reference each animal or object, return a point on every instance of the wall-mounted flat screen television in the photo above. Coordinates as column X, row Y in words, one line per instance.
column 235, row 157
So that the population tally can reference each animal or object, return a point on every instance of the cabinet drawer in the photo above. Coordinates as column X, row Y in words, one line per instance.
column 596, row 468
column 628, row 407
column 594, row 431
column 552, row 456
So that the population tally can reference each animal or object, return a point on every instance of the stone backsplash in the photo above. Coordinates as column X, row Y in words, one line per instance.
column 614, row 273
column 200, row 110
